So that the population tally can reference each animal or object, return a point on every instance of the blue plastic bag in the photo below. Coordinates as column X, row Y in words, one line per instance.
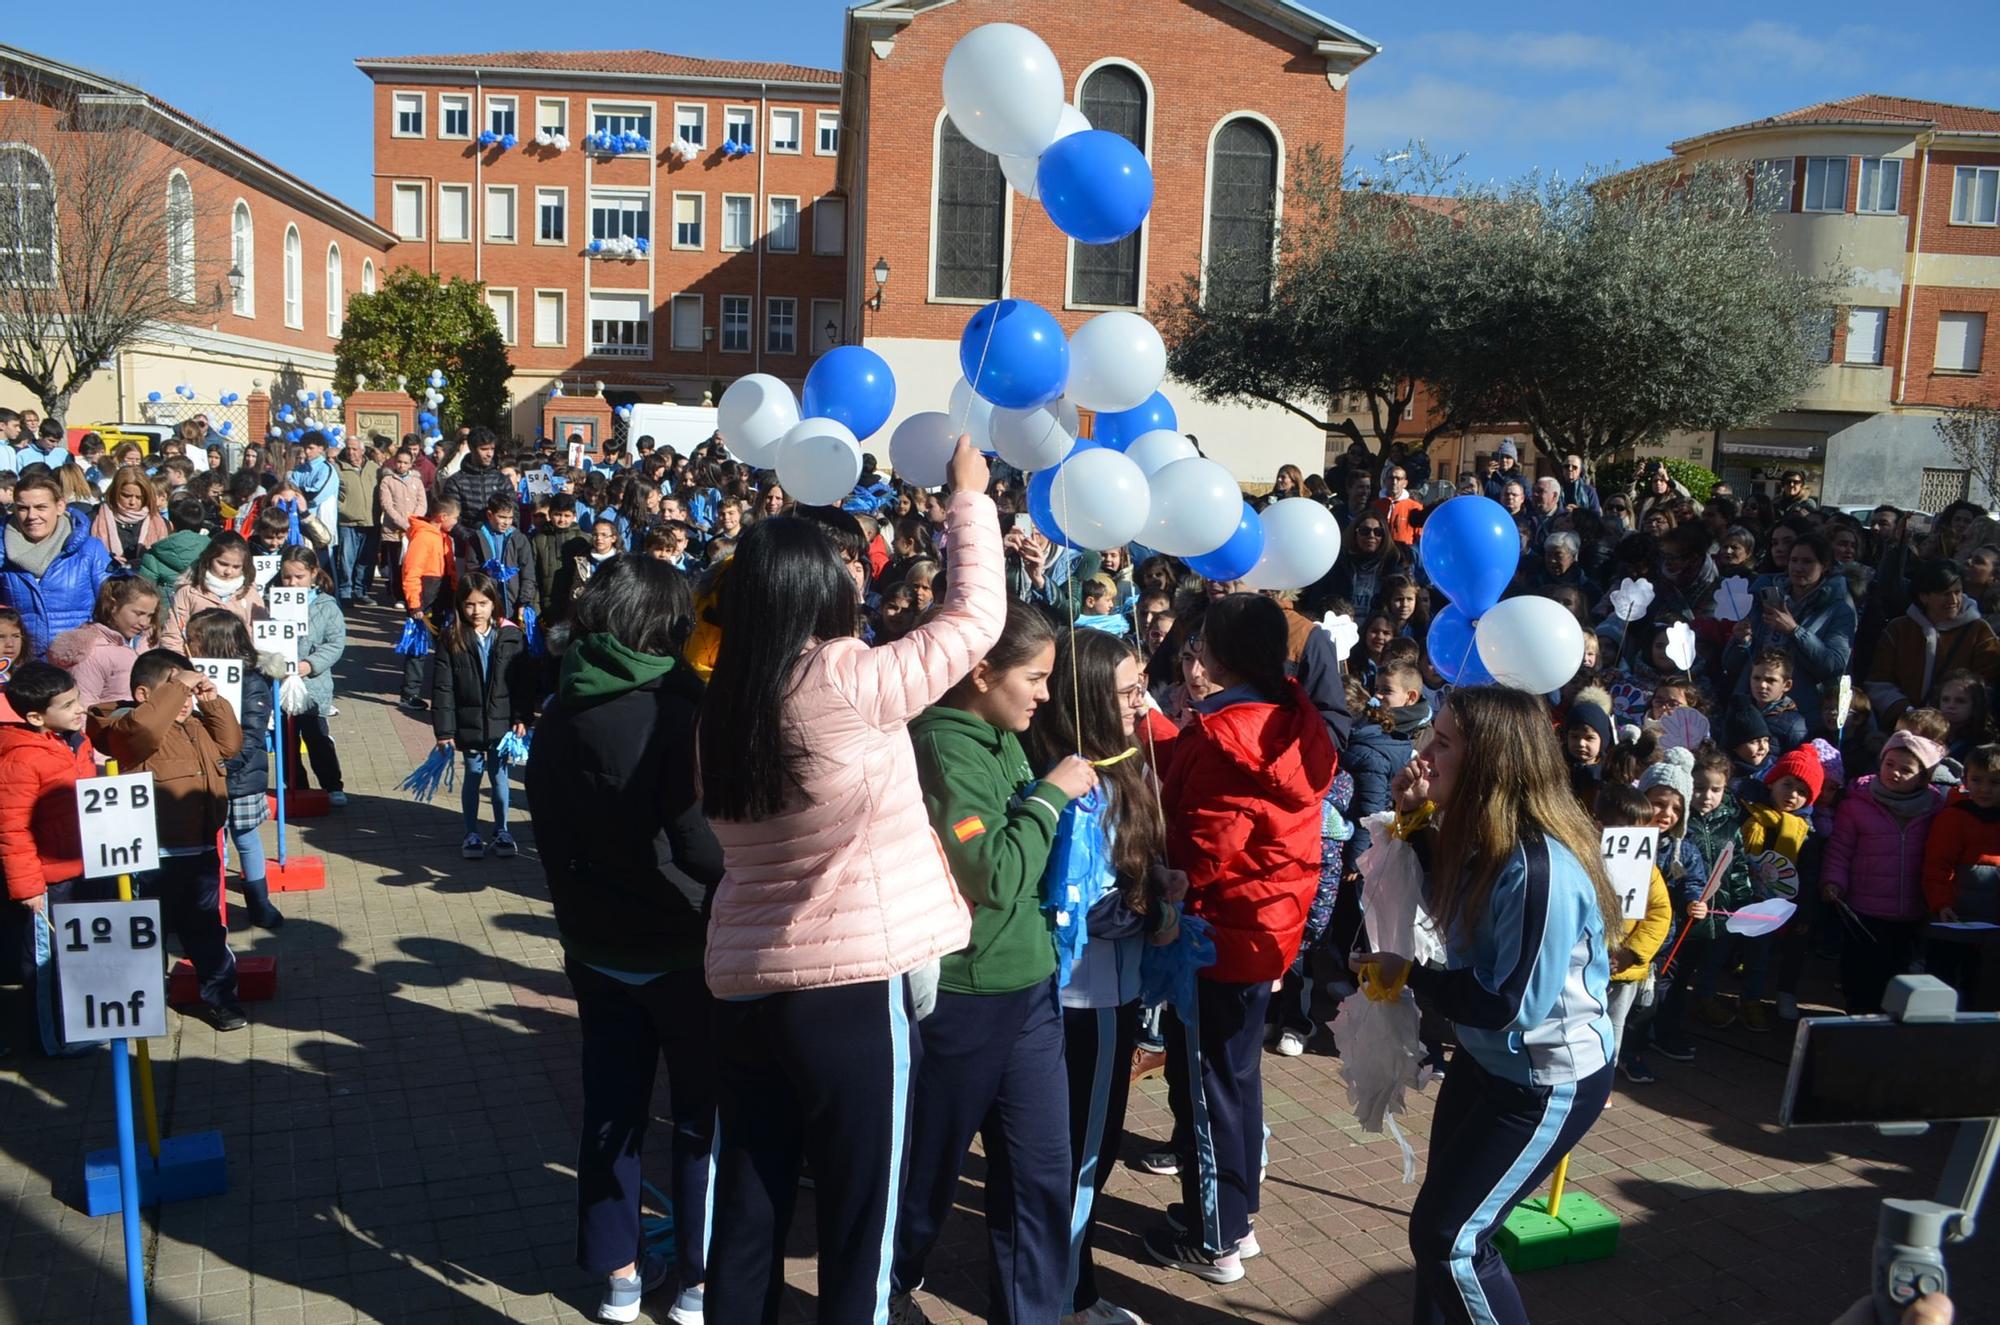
column 1167, row 974
column 1078, row 874
column 416, row 639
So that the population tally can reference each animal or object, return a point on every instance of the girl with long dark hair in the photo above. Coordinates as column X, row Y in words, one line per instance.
column 1519, row 896
column 836, row 901
column 483, row 685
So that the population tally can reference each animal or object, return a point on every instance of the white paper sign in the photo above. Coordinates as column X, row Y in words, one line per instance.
column 266, row 564
column 227, row 676
column 540, row 483
column 120, row 832
column 576, row 455
column 287, row 604
column 108, row 966
column 1630, row 856
column 282, row 637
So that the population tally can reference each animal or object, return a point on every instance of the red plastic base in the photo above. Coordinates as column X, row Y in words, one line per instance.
column 300, row 874
column 312, row 803
column 256, row 981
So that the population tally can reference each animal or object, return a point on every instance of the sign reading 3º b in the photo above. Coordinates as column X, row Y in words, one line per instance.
column 108, row 964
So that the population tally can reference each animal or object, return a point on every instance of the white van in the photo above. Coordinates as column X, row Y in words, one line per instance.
column 682, row 427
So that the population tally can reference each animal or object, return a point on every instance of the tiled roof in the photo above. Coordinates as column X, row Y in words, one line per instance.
column 652, row 64
column 1873, row 108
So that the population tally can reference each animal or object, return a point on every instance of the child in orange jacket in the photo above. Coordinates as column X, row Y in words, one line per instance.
column 1962, row 867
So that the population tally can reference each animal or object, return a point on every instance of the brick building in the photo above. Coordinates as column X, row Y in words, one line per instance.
column 1219, row 94
column 222, row 209
column 745, row 255
column 1898, row 196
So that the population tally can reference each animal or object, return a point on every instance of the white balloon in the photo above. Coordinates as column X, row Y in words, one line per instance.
column 1155, row 450
column 754, row 415
column 921, row 447
column 1038, row 438
column 1301, row 543
column 1004, row 90
column 819, row 461
column 972, row 413
column 1100, row 499
column 1530, row 643
column 1021, row 170
column 1196, row 505
column 1116, row 362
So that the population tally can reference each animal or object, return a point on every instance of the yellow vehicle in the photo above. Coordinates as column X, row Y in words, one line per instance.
column 147, row 436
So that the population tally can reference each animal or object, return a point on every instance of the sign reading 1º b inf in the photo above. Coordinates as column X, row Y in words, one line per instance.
column 108, row 964
column 120, row 832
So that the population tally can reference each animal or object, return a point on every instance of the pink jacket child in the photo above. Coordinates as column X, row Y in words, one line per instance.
column 100, row 660
column 1875, row 858
column 852, row 885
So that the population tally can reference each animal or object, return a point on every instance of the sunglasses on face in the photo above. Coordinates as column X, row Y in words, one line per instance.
column 1368, row 531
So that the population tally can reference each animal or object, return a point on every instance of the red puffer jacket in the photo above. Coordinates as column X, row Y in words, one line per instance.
column 40, row 842
column 1242, row 799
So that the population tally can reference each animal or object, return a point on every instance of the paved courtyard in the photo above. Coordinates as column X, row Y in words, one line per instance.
column 400, row 1131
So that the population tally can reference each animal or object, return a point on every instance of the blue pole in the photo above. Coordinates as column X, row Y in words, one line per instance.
column 128, row 1182
column 280, row 752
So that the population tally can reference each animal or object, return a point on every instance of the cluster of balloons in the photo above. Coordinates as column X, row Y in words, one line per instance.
column 732, row 148
column 1470, row 550
column 550, row 138
column 500, row 140
column 617, row 144
column 624, row 246
column 813, row 439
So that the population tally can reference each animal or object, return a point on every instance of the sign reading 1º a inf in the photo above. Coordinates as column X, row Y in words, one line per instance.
column 120, row 832
column 108, row 964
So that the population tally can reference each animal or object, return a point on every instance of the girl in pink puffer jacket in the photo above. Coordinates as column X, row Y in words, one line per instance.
column 1875, row 866
column 835, row 892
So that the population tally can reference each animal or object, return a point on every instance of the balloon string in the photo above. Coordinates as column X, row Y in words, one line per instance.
column 993, row 324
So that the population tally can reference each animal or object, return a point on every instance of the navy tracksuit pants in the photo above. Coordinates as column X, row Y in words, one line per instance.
column 823, row 1074
column 1493, row 1142
column 627, row 1029
column 1098, row 1043
column 1215, row 1081
column 993, row 1066
column 189, row 889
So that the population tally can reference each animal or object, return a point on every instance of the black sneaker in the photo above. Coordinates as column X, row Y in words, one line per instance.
column 227, row 1017
column 1636, row 1071
column 1176, row 1253
column 1678, row 1050
column 414, row 705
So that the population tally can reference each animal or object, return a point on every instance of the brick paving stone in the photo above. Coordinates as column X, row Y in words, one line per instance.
column 399, row 1123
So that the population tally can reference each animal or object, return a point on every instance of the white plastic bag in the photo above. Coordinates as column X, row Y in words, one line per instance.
column 292, row 696
column 1381, row 1058
column 1392, row 895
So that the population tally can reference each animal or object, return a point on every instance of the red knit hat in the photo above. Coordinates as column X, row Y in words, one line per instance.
column 1802, row 764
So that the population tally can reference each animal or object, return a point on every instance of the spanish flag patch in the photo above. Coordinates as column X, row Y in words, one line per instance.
column 967, row 829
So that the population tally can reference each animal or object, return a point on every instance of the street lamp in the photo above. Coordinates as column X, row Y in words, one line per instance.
column 235, row 280
column 832, row 333
column 881, row 279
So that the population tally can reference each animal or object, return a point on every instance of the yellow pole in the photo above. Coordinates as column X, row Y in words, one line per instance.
column 1556, row 1187
column 148, row 1103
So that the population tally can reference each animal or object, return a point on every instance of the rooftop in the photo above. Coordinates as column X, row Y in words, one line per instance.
column 638, row 64
column 1869, row 108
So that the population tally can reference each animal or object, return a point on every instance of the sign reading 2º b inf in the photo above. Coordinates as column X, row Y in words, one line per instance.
column 120, row 832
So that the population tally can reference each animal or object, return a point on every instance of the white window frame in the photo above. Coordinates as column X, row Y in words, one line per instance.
column 618, row 197
column 336, row 292
column 771, row 222
column 1960, row 177
column 243, row 254
column 180, row 239
column 748, row 306
column 645, row 321
column 1877, row 343
column 295, row 279
column 459, row 190
column 770, row 325
column 798, row 119
column 510, row 329
column 560, row 124
column 629, row 110
column 542, row 194
column 700, row 221
column 749, row 201
column 700, row 125
column 822, row 119
column 824, row 311
column 1777, row 168
column 1866, row 200
column 1824, row 163
column 511, row 211
column 399, row 104
column 409, row 188
column 448, row 102
column 1974, row 356
column 511, row 107
column 838, row 206
column 562, row 316
column 368, row 276
column 744, row 117
column 673, row 322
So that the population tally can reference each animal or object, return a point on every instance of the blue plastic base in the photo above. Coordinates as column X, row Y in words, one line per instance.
column 188, row 1167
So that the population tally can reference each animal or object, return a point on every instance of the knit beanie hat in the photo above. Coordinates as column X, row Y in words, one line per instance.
column 1675, row 771
column 1830, row 759
column 1740, row 722
column 1588, row 713
column 1802, row 764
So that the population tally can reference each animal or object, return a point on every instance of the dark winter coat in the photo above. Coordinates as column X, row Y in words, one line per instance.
column 476, row 710
column 249, row 769
column 472, row 486
column 482, row 550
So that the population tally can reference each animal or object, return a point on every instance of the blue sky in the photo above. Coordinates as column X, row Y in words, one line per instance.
column 1556, row 86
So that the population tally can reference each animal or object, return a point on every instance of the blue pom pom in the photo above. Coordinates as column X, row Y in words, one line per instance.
column 439, row 771
column 416, row 639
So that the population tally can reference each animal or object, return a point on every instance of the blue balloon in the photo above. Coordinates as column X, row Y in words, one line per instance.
column 1470, row 549
column 1095, row 186
column 1120, row 429
column 1015, row 354
column 852, row 385
column 1452, row 648
column 153, row 397
column 1233, row 560
column 1041, row 488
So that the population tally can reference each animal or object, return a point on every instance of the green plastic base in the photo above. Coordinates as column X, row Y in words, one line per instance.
column 1584, row 1231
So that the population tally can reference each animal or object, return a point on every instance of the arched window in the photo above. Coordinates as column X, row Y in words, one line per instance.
column 971, row 218
column 336, row 299
column 368, row 276
column 180, row 238
column 243, row 256
column 27, row 218
column 294, row 277
column 1113, row 99
column 1242, row 212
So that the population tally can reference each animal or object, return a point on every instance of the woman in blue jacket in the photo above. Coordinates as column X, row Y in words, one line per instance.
column 1517, row 890
column 51, row 566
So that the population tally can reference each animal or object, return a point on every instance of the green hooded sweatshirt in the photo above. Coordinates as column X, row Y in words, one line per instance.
column 167, row 560
column 998, row 825
column 598, row 667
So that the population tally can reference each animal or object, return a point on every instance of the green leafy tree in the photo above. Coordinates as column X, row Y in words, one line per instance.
column 416, row 323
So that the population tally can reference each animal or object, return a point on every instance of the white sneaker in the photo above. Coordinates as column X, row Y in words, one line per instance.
column 622, row 1296
column 1245, row 1249
column 686, row 1309
column 1101, row 1312
column 1788, row 1007
column 1291, row 1044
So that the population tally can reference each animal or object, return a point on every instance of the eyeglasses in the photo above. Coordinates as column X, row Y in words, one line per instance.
column 1368, row 531
column 1132, row 694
